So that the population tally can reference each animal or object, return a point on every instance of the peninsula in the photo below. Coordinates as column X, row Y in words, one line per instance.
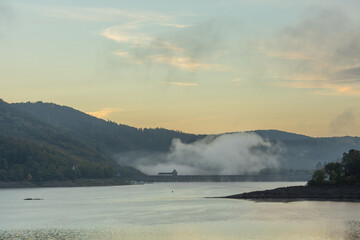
column 299, row 193
column 337, row 181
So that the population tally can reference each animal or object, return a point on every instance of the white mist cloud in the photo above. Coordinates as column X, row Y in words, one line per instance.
column 226, row 154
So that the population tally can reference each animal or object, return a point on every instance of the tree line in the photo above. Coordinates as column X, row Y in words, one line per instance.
column 345, row 172
column 25, row 160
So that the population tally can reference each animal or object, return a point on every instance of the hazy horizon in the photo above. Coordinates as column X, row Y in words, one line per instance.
column 203, row 67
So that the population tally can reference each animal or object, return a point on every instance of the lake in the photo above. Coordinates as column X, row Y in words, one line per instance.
column 171, row 211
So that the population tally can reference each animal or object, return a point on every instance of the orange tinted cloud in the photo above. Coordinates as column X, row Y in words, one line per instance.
column 104, row 112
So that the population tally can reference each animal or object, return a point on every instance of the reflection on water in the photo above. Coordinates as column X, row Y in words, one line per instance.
column 352, row 230
column 54, row 234
column 170, row 211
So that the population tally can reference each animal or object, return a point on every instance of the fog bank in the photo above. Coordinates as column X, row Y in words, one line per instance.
column 236, row 153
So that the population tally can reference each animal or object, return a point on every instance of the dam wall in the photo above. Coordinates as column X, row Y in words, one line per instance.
column 230, row 178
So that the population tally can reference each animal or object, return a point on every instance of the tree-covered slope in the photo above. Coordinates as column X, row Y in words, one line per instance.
column 21, row 159
column 19, row 124
column 293, row 151
column 33, row 149
column 276, row 135
column 105, row 136
column 307, row 153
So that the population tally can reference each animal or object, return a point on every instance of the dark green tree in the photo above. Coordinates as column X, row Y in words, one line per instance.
column 318, row 177
column 335, row 171
column 345, row 172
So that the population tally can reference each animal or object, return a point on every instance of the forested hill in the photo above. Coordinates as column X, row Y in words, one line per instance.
column 105, row 136
column 33, row 149
column 294, row 151
column 276, row 135
column 297, row 151
column 310, row 153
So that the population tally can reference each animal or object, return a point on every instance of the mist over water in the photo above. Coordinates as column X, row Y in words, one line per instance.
column 236, row 153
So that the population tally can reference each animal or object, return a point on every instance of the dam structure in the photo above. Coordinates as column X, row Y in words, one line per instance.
column 175, row 177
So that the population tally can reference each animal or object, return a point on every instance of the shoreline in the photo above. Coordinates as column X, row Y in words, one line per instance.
column 303, row 193
column 65, row 183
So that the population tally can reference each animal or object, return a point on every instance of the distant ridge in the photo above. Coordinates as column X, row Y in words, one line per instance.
column 33, row 149
column 294, row 151
column 277, row 135
column 106, row 136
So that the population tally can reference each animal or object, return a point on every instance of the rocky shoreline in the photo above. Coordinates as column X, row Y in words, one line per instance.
column 298, row 193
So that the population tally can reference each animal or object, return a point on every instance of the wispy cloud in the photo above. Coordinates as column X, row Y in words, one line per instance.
column 320, row 52
column 102, row 113
column 237, row 81
column 288, row 55
column 174, row 25
column 183, row 63
column 95, row 14
column 187, row 64
column 184, row 84
column 151, row 37
column 119, row 35
column 321, row 87
column 129, row 34
column 188, row 48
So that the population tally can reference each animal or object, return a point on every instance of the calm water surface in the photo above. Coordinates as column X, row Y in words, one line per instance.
column 170, row 211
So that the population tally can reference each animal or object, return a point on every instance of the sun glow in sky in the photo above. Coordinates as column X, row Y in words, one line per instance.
column 197, row 66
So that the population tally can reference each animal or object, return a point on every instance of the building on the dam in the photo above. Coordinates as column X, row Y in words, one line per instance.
column 168, row 174
column 298, row 176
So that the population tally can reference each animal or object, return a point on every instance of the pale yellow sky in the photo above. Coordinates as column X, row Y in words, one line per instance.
column 198, row 67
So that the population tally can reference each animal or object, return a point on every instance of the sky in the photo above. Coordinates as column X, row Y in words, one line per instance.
column 195, row 66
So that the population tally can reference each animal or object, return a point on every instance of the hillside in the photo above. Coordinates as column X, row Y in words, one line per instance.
column 296, row 151
column 309, row 152
column 21, row 159
column 33, row 149
column 276, row 135
column 105, row 136
column 293, row 151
